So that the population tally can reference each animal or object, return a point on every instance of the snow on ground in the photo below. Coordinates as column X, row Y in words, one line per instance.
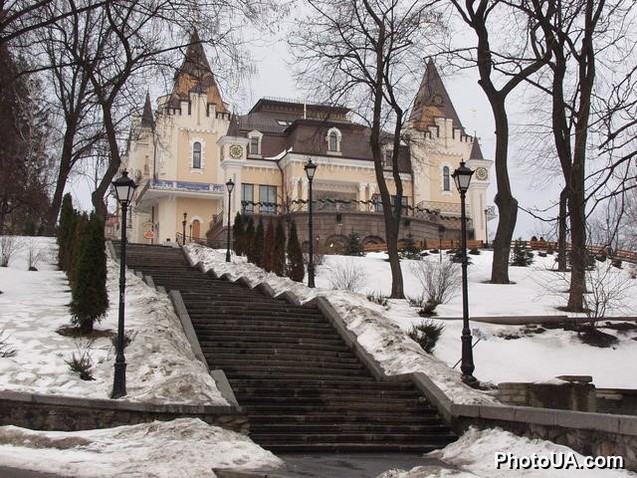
column 474, row 455
column 161, row 367
column 185, row 448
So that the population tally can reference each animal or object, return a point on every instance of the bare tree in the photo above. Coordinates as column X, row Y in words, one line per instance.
column 512, row 65
column 364, row 52
column 575, row 32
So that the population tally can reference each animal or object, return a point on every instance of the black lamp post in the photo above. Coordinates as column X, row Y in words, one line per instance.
column 462, row 178
column 310, row 169
column 486, row 228
column 124, row 190
column 441, row 233
column 183, row 224
column 230, row 186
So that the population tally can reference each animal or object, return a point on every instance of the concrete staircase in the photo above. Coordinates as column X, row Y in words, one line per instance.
column 302, row 387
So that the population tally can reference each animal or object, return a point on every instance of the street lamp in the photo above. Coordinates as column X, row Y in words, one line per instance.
column 310, row 169
column 441, row 233
column 230, row 186
column 462, row 178
column 183, row 225
column 486, row 228
column 124, row 191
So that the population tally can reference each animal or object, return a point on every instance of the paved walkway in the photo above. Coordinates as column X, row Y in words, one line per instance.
column 340, row 465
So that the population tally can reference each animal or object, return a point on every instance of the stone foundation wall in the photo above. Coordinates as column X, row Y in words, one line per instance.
column 568, row 395
column 586, row 442
column 45, row 412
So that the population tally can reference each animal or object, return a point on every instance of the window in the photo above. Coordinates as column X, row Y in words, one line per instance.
column 196, row 155
column 267, row 198
column 388, row 158
column 446, row 183
column 247, row 197
column 378, row 203
column 254, row 145
column 333, row 139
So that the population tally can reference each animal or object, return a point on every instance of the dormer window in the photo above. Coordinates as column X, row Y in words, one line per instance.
column 254, row 146
column 196, row 155
column 333, row 139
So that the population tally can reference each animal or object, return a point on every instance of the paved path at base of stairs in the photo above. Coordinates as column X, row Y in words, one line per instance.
column 342, row 465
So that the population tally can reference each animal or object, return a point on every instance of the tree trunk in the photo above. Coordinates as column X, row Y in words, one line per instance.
column 507, row 204
column 561, row 238
column 98, row 196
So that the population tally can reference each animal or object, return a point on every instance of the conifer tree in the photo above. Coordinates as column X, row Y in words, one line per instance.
column 257, row 245
column 278, row 255
column 267, row 258
column 65, row 230
column 296, row 268
column 238, row 233
column 248, row 240
column 90, row 298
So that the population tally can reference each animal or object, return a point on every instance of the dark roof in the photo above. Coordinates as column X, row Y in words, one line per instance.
column 276, row 115
column 147, row 115
column 432, row 101
column 476, row 152
column 233, row 127
column 195, row 75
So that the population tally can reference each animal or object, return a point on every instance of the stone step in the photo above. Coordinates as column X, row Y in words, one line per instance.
column 211, row 343
column 414, row 438
column 281, row 357
column 344, row 409
column 434, row 428
column 422, row 447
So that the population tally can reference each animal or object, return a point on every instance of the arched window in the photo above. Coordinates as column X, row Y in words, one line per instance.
column 446, row 183
column 196, row 155
column 333, row 141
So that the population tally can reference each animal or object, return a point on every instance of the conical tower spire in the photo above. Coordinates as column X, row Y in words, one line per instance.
column 147, row 114
column 195, row 76
column 476, row 151
column 432, row 101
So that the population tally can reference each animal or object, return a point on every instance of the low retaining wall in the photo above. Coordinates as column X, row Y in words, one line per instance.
column 52, row 412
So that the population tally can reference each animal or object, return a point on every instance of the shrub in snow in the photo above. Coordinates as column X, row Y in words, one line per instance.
column 81, row 361
column 426, row 334
column 296, row 269
column 89, row 296
column 617, row 263
column 353, row 246
column 6, row 350
column 440, row 281
column 34, row 255
column 347, row 275
column 409, row 249
column 238, row 234
column 521, row 257
column 378, row 298
column 608, row 290
column 9, row 245
column 474, row 251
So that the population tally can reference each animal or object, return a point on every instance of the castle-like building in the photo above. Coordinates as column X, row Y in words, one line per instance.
column 183, row 154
